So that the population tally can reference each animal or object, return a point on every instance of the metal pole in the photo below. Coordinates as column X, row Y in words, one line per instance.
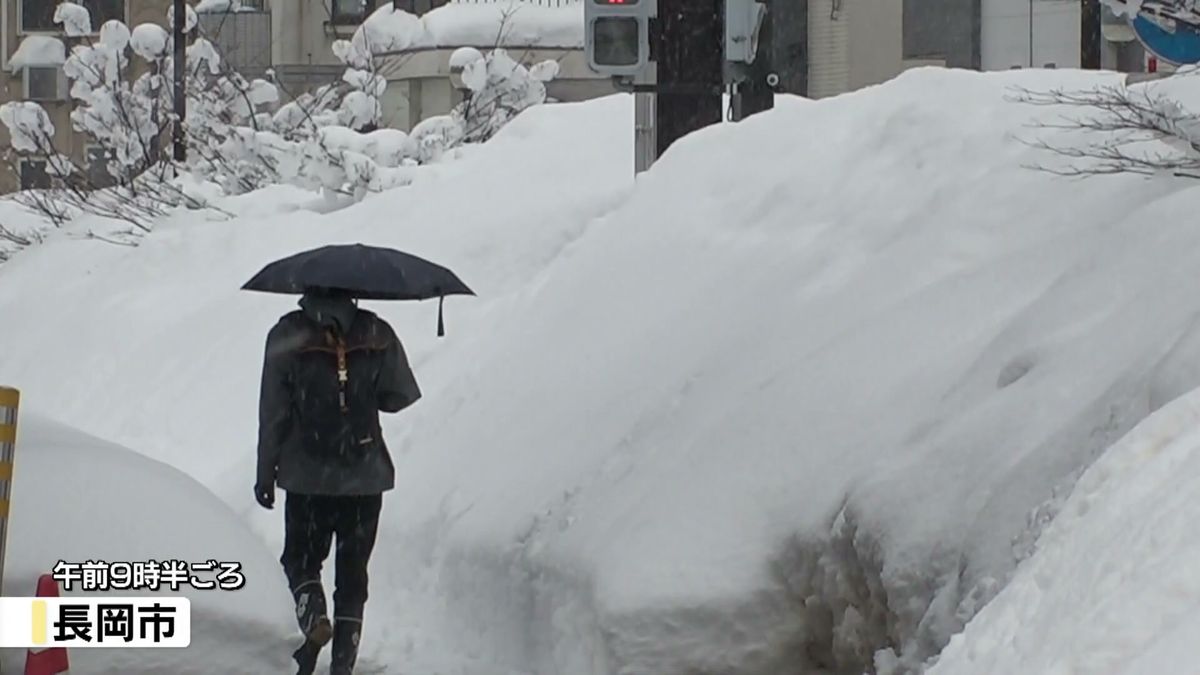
column 10, row 400
column 1090, row 38
column 180, row 80
column 1030, row 33
column 645, row 144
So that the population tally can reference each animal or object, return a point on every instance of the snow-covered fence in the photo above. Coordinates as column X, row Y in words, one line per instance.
column 9, row 400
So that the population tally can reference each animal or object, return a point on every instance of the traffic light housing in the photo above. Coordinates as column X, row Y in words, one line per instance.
column 743, row 23
column 618, row 35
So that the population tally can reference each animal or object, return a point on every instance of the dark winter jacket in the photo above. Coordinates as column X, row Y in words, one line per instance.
column 317, row 434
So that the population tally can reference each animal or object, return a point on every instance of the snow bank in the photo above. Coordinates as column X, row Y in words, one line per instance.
column 19, row 227
column 77, row 498
column 784, row 403
column 1113, row 586
column 38, row 50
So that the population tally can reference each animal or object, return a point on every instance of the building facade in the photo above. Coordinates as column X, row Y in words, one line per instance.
column 851, row 44
column 1007, row 34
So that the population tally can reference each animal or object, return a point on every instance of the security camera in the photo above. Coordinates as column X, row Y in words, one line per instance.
column 773, row 80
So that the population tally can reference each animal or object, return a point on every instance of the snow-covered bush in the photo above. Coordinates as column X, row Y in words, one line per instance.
column 500, row 88
column 236, row 133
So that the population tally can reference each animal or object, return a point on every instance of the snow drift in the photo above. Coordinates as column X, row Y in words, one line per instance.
column 77, row 498
column 785, row 403
column 1113, row 586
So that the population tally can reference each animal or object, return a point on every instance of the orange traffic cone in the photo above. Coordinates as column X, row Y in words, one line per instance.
column 52, row 660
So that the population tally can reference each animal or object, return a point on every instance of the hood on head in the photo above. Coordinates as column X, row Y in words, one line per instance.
column 330, row 308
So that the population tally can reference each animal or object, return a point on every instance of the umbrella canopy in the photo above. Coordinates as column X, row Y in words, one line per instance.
column 365, row 272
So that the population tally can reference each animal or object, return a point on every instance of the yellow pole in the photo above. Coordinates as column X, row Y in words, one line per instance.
column 10, row 400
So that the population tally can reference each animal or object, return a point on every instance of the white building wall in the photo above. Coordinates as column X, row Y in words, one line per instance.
column 828, row 48
column 1005, row 33
column 876, row 41
column 853, row 44
column 300, row 34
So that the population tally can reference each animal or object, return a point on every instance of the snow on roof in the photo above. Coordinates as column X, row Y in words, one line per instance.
column 38, row 50
column 218, row 6
column 506, row 23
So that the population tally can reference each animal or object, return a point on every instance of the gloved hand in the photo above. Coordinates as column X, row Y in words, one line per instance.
column 265, row 495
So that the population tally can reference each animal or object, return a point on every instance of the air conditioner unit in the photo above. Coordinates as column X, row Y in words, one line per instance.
column 45, row 83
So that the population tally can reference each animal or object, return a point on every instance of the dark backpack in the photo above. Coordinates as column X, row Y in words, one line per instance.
column 334, row 378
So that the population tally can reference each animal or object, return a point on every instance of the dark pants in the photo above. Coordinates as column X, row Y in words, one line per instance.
column 311, row 521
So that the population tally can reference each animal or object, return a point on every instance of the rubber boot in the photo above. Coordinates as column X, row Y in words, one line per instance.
column 311, row 615
column 346, row 634
column 306, row 657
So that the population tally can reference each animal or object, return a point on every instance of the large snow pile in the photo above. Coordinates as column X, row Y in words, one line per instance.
column 785, row 402
column 78, row 499
column 1113, row 587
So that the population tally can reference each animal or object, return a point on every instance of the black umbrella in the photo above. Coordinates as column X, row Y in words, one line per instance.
column 366, row 272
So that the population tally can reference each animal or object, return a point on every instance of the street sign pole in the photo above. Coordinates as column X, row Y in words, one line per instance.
column 10, row 400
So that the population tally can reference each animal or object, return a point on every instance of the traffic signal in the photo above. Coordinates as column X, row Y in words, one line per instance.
column 618, row 35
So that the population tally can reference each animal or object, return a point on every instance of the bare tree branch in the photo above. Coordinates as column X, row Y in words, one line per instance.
column 1115, row 129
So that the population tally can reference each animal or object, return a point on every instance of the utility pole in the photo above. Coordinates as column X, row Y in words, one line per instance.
column 756, row 93
column 688, row 47
column 1090, row 37
column 180, row 79
column 789, row 44
column 672, row 55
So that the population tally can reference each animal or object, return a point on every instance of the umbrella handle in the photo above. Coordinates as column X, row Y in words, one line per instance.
column 441, row 319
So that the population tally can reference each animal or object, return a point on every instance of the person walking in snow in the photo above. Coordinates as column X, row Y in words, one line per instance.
column 329, row 369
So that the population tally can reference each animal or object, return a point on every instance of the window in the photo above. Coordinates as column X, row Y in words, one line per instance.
column 34, row 175
column 352, row 11
column 45, row 83
column 38, row 15
column 97, row 167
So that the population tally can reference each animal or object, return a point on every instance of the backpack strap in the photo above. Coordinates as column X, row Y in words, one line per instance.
column 343, row 371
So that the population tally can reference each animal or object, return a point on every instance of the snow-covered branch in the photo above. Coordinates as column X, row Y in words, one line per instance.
column 237, row 133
